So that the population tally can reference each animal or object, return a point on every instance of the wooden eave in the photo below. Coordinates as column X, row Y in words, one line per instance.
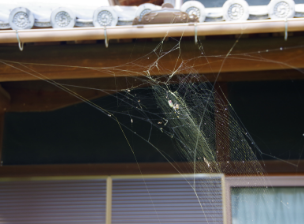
column 215, row 58
column 23, row 78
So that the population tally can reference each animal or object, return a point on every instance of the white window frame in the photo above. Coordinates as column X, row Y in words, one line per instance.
column 257, row 181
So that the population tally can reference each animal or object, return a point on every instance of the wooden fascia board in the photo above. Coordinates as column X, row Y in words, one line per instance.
column 135, row 59
column 289, row 167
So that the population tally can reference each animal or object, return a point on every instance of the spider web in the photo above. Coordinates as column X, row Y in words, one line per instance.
column 189, row 109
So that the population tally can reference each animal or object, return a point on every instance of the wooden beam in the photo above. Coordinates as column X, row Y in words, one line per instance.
column 40, row 96
column 5, row 99
column 222, row 127
column 92, row 169
column 4, row 107
column 2, row 115
column 35, row 96
column 267, row 75
column 289, row 167
column 140, row 59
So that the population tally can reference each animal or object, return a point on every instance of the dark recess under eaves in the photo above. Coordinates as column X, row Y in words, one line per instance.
column 83, row 134
column 272, row 112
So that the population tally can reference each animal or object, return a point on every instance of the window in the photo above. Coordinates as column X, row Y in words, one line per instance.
column 272, row 199
column 280, row 205
column 117, row 199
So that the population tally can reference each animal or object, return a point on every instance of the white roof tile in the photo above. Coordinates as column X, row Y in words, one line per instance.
column 84, row 11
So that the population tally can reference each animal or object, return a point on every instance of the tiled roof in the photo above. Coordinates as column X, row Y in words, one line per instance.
column 26, row 15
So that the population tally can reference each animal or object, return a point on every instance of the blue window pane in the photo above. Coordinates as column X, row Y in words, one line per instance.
column 268, row 205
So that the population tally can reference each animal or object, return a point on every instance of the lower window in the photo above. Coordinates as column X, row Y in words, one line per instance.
column 280, row 205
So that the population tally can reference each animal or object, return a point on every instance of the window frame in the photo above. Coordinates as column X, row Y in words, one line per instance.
column 257, row 181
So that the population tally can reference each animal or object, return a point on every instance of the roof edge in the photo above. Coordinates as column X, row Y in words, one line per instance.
column 153, row 31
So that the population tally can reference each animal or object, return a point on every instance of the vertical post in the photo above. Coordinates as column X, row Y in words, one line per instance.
column 226, row 201
column 228, row 206
column 222, row 125
column 2, row 114
column 223, row 142
column 109, row 201
column 4, row 106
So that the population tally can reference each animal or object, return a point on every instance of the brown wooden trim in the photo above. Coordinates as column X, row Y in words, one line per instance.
column 132, row 59
column 34, row 96
column 39, row 96
column 2, row 115
column 267, row 75
column 236, row 169
column 222, row 122
column 93, row 169
column 4, row 107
